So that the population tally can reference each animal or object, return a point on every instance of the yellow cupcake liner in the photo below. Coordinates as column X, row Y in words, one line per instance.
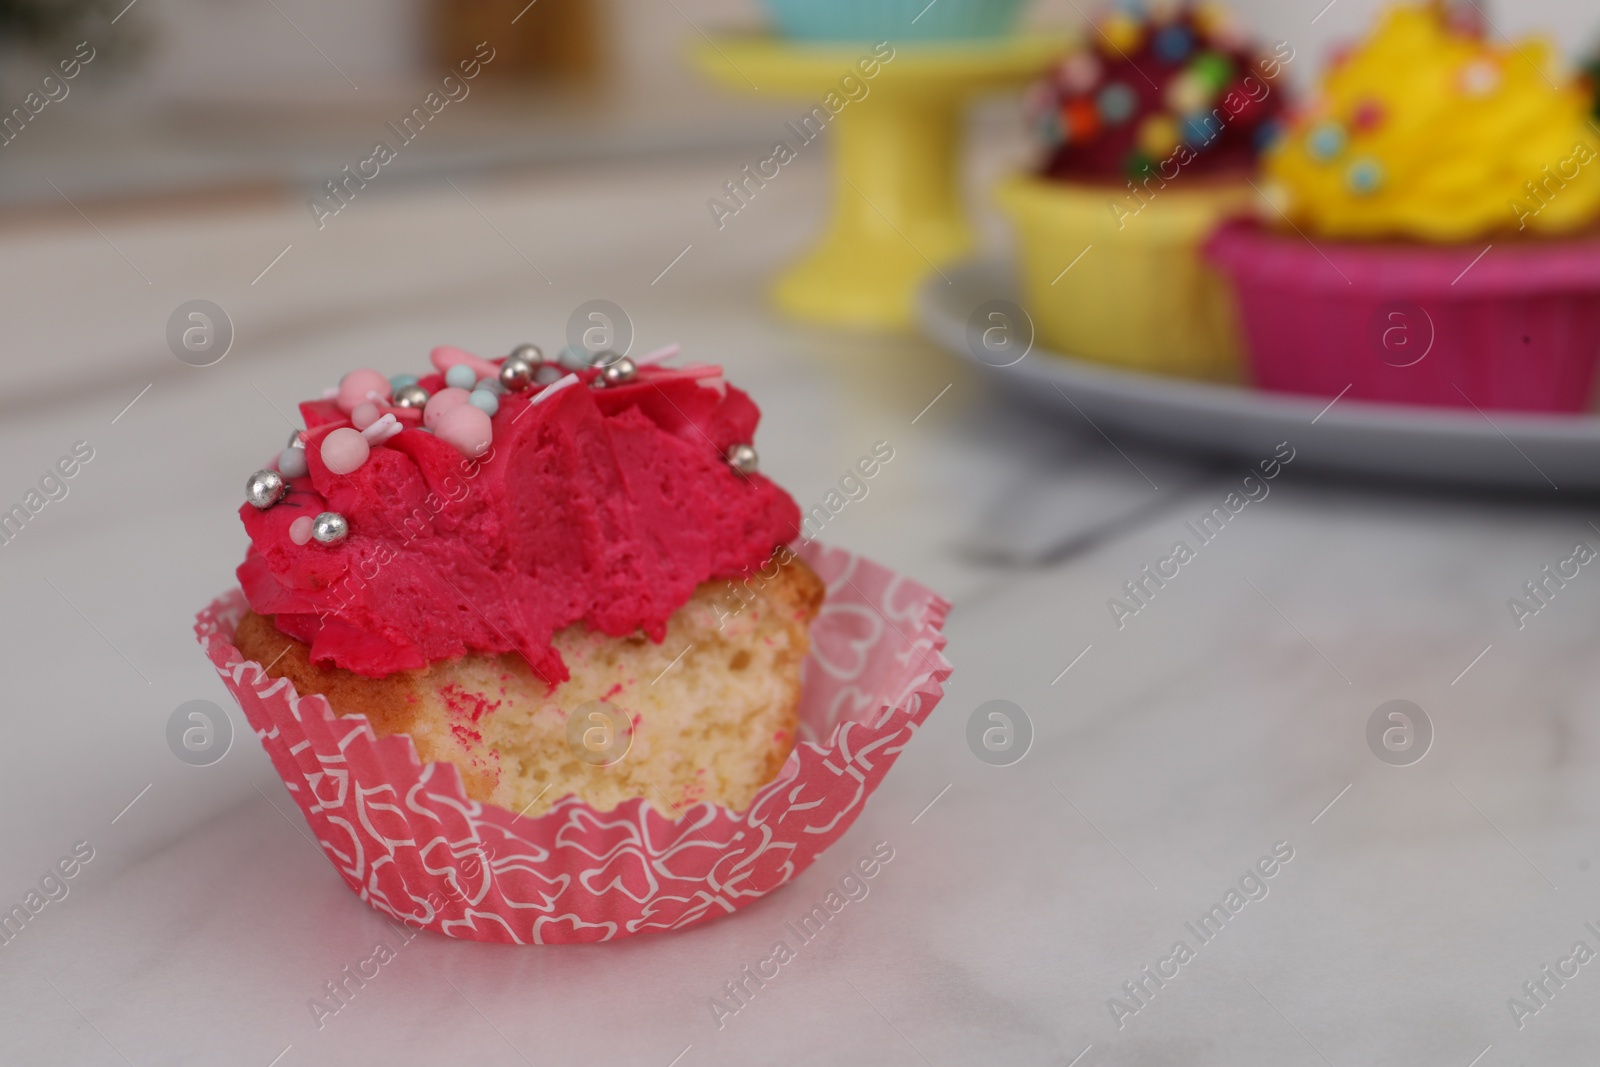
column 1140, row 296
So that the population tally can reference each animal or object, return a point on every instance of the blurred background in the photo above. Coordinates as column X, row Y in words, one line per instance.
column 245, row 95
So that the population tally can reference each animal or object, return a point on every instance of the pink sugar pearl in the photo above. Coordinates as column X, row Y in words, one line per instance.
column 439, row 403
column 345, row 450
column 468, row 428
column 364, row 415
column 300, row 530
column 444, row 357
column 360, row 386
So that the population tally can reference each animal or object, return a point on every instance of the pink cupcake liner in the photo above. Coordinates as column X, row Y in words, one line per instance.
column 405, row 837
column 1518, row 329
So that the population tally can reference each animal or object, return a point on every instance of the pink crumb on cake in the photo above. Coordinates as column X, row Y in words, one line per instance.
column 462, row 701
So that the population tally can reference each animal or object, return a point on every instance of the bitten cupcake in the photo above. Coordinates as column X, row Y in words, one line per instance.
column 1151, row 132
column 484, row 583
column 1430, row 235
column 537, row 651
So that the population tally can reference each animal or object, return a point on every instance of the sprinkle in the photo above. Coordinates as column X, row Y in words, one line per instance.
column 380, row 431
column 551, row 390
column 1275, row 198
column 1213, row 19
column 1368, row 116
column 444, row 400
column 571, row 359
column 467, row 427
column 300, row 530
column 1116, row 103
column 1326, row 142
column 444, row 357
column 1213, row 69
column 292, row 462
column 1080, row 119
column 1158, row 135
column 360, row 386
column 1267, row 135
column 398, row 382
column 460, row 376
column 1199, row 130
column 1122, row 33
column 660, row 355
column 330, row 528
column 1364, row 177
column 1188, row 93
column 364, row 415
column 344, row 450
column 1173, row 43
column 1480, row 78
column 1079, row 72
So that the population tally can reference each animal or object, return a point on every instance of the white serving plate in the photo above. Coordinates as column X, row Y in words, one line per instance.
column 1502, row 450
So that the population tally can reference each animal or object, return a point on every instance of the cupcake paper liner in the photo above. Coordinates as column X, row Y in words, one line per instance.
column 1142, row 297
column 406, row 838
column 1517, row 328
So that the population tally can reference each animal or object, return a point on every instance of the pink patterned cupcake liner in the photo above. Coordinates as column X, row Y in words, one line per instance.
column 406, row 838
column 1517, row 328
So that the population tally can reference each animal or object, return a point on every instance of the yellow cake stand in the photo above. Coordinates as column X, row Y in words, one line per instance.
column 897, row 215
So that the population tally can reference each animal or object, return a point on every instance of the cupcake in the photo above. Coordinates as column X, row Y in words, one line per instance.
column 1151, row 132
column 526, row 641
column 893, row 20
column 1430, row 236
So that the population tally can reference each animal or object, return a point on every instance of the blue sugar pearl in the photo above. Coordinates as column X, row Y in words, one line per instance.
column 1173, row 43
column 292, row 463
column 484, row 401
column 490, row 385
column 1198, row 131
column 460, row 377
column 400, row 381
column 1326, row 142
column 1116, row 103
column 1364, row 177
column 1267, row 135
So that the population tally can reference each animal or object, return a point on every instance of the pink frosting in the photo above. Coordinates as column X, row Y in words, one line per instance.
column 601, row 506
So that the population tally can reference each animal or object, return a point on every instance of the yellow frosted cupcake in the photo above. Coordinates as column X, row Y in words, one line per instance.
column 1431, row 231
column 1151, row 133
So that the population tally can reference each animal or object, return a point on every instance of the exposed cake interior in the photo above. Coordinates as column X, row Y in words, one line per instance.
column 711, row 710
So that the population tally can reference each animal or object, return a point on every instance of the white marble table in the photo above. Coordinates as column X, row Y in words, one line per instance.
column 1229, row 715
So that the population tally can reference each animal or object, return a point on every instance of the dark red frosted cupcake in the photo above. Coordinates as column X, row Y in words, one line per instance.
column 1150, row 133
